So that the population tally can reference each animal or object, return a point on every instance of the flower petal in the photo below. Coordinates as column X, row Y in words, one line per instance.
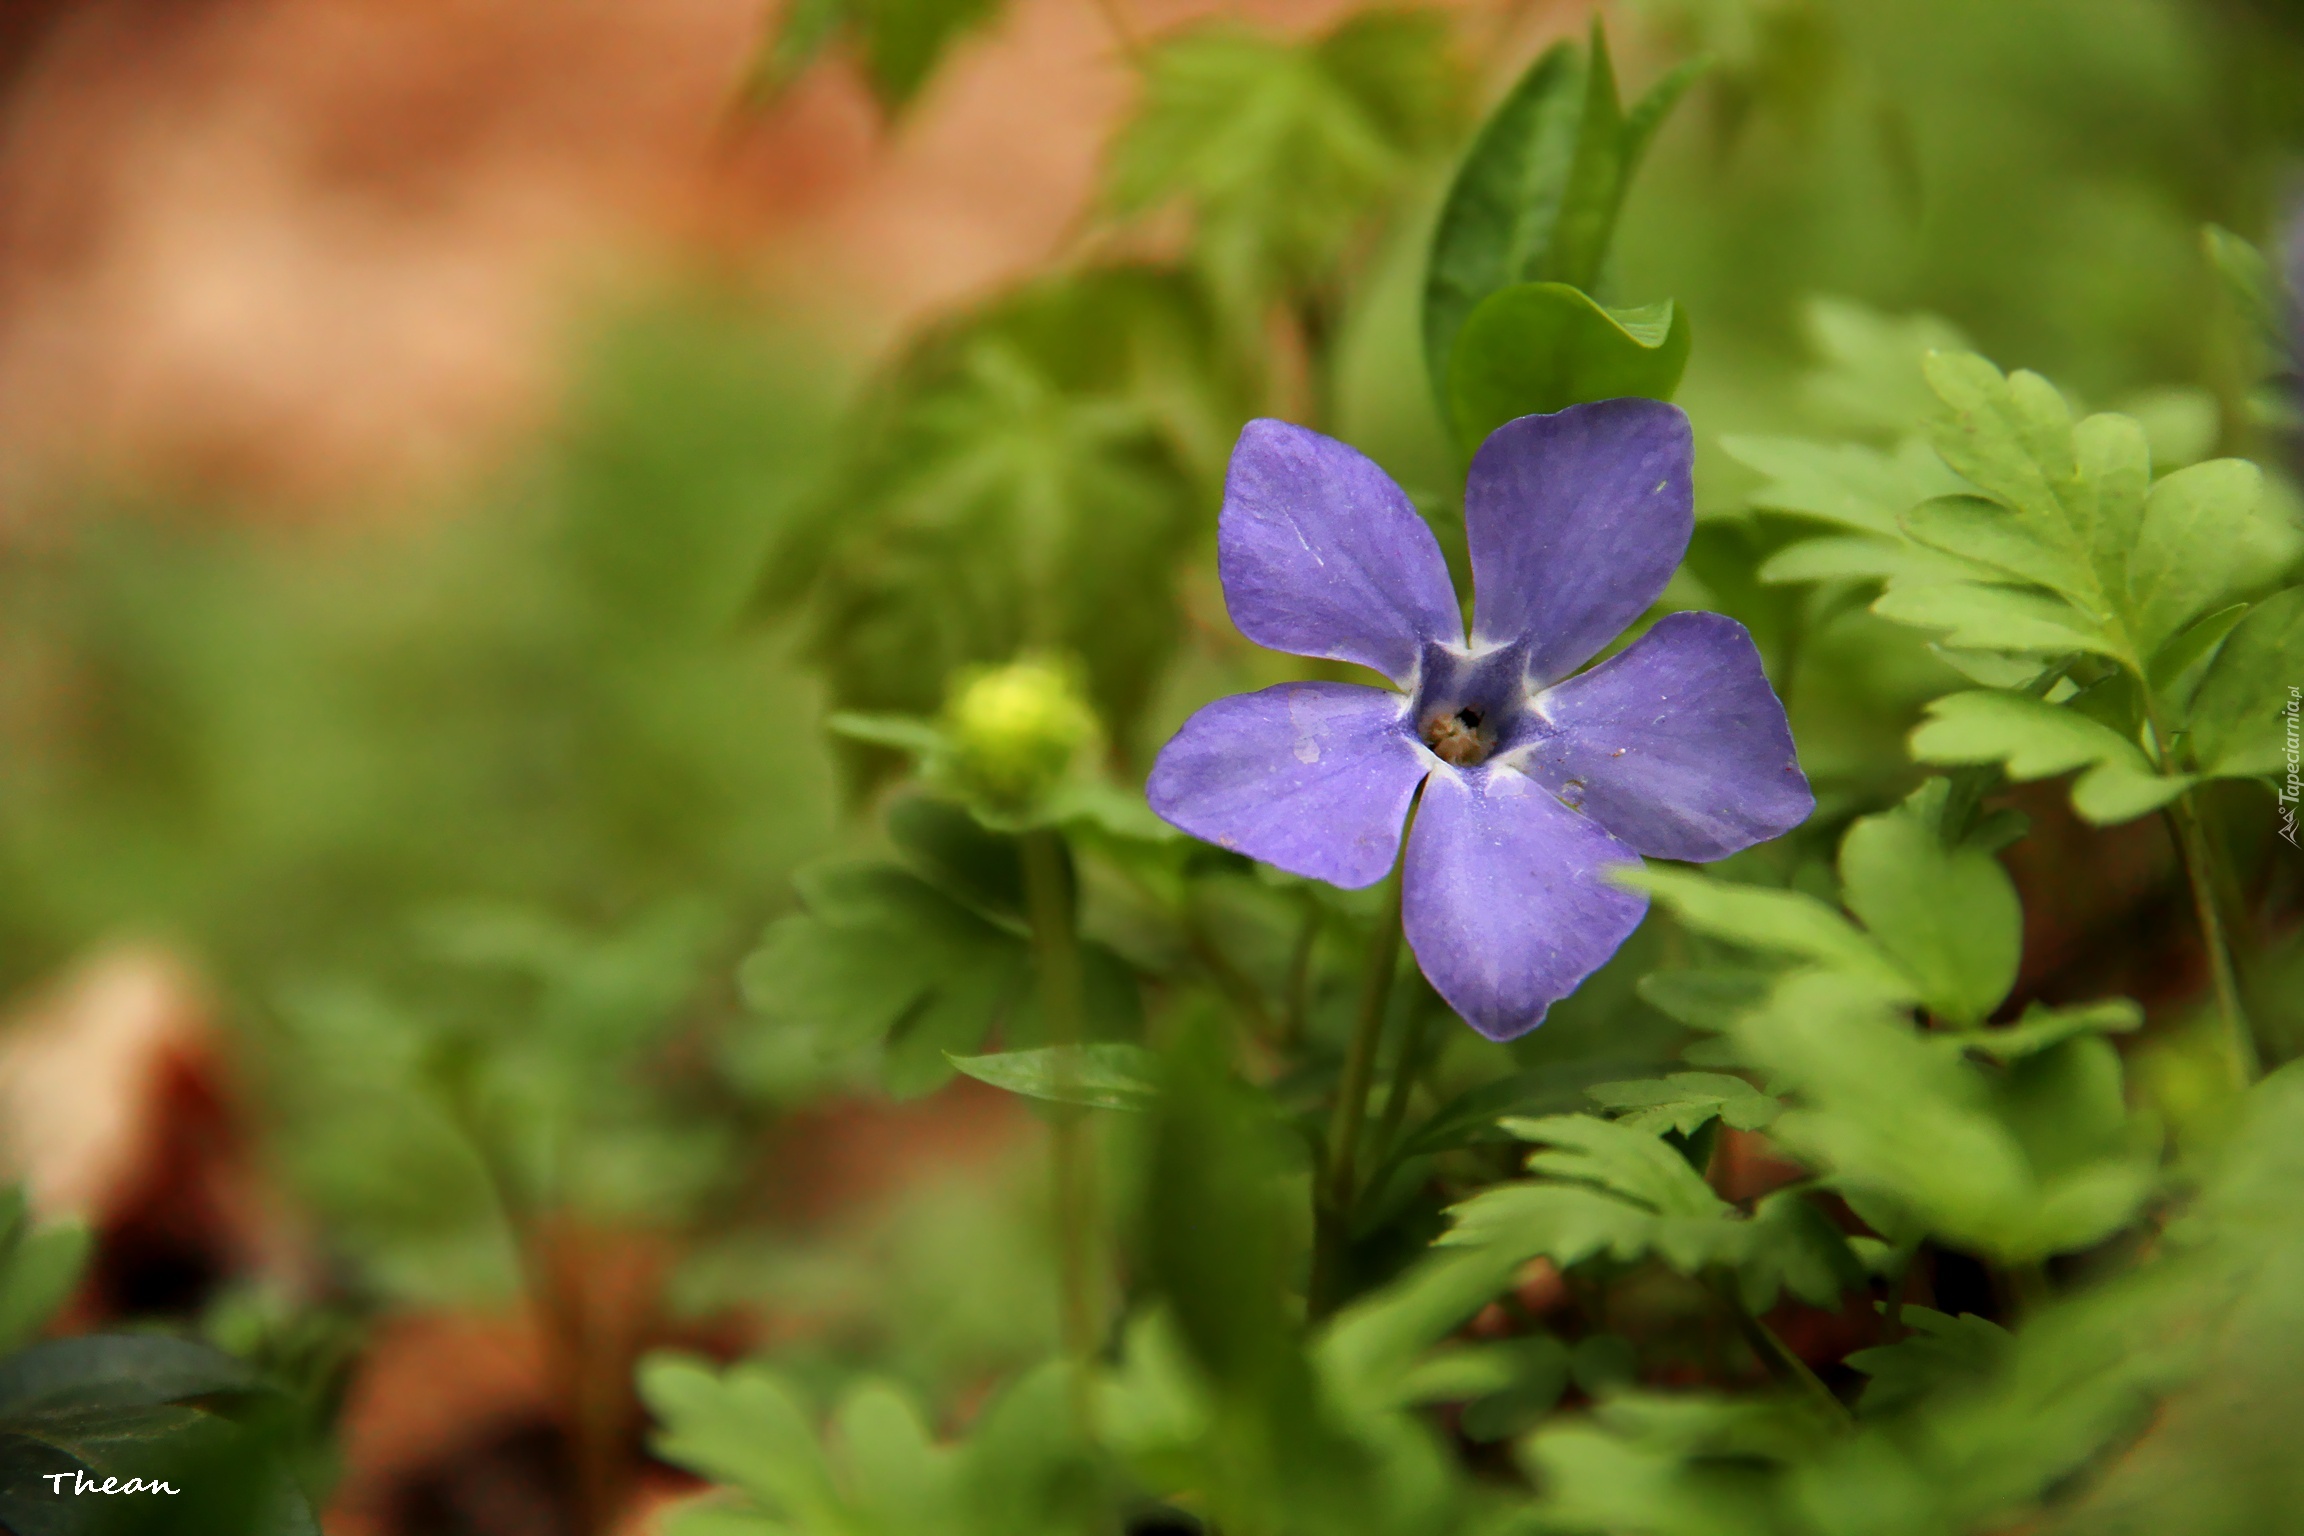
column 1678, row 746
column 1312, row 777
column 1508, row 903
column 1576, row 521
column 1322, row 555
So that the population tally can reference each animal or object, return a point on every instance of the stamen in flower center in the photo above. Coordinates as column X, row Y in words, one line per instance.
column 1457, row 738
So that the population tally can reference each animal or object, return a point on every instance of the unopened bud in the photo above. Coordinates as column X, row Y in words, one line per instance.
column 1014, row 733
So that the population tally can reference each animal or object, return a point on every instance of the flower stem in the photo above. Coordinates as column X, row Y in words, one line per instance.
column 1407, row 1067
column 1299, row 1002
column 1056, row 952
column 2200, row 873
column 1339, row 1177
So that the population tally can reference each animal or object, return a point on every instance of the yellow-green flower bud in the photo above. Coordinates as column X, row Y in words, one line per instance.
column 1013, row 734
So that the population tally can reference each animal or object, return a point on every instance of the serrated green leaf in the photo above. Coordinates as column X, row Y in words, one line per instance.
column 1685, row 1101
column 2237, row 725
column 1948, row 914
column 2075, row 488
column 1869, row 379
column 1536, row 348
column 2033, row 739
column 1858, row 558
column 1773, row 922
column 1970, row 528
column 746, row 1427
column 2019, row 1167
column 1625, row 1193
column 1630, row 1164
column 1941, row 1350
column 882, row 954
column 2192, row 551
column 1995, row 618
column 1105, row 1076
column 1281, row 149
column 1008, row 484
column 1856, row 486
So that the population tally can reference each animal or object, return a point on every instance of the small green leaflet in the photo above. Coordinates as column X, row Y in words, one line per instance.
column 1106, row 1076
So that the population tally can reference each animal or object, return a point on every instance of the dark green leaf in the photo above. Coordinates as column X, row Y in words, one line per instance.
column 1542, row 347
column 1537, row 196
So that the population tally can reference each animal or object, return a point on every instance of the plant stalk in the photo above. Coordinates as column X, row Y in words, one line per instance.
column 1406, row 1069
column 1787, row 1367
column 1056, row 956
column 2200, row 873
column 1339, row 1175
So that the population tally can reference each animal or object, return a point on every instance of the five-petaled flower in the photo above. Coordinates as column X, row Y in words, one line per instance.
column 1537, row 779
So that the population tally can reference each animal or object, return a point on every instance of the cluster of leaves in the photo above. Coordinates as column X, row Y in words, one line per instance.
column 2128, row 625
column 2116, row 601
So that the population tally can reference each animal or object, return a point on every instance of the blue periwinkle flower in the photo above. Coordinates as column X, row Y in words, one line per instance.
column 1538, row 780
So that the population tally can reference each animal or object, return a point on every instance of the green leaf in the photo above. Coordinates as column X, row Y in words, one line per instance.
column 1541, row 347
column 1894, row 1116
column 1107, row 1076
column 2253, row 290
column 1869, row 379
column 905, row 40
column 1610, row 1189
column 882, row 955
column 1537, row 196
column 2076, row 490
column 2170, row 674
column 1941, row 1351
column 1856, row 486
column 1684, row 1101
column 2042, row 1028
column 1970, row 528
column 1636, row 1166
column 1773, row 922
column 1861, row 558
column 746, row 1427
column 898, row 733
column 1993, row 618
column 2238, row 722
column 1948, row 914
column 2032, row 739
column 2193, row 550
column 1025, row 476
column 1283, row 150
column 800, row 37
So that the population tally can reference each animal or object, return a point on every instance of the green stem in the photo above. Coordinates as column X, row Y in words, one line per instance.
column 1299, row 1001
column 1339, row 1176
column 1056, row 953
column 1405, row 1070
column 1787, row 1367
column 2200, row 873
column 2192, row 846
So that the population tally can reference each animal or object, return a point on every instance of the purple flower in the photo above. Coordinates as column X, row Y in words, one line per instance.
column 1538, row 780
